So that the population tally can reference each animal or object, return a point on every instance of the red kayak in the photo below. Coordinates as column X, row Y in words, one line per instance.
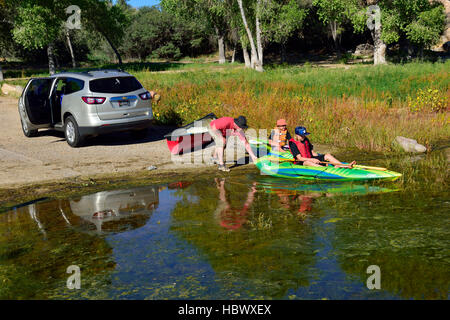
column 191, row 137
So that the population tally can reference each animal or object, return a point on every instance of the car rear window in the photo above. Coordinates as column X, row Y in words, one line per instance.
column 115, row 85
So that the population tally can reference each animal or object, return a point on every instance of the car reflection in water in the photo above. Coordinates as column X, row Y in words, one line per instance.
column 112, row 211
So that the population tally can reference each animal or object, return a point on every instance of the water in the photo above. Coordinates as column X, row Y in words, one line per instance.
column 245, row 236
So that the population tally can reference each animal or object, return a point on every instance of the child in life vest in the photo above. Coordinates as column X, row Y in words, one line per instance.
column 280, row 136
column 302, row 150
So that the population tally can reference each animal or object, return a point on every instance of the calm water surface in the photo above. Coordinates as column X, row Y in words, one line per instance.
column 239, row 237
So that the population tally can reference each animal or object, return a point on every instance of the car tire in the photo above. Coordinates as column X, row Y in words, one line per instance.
column 27, row 131
column 72, row 133
column 139, row 134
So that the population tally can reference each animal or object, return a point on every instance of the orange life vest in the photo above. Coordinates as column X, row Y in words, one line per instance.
column 303, row 147
column 282, row 136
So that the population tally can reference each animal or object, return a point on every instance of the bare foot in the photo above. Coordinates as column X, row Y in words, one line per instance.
column 348, row 166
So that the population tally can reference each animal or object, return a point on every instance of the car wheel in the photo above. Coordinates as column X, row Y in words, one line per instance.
column 72, row 133
column 27, row 131
column 139, row 134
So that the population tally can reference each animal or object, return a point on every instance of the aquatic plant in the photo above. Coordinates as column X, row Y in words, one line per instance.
column 262, row 222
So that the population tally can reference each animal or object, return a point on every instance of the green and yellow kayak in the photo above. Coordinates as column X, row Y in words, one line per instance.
column 280, row 164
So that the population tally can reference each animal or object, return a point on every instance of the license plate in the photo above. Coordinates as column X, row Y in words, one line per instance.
column 124, row 103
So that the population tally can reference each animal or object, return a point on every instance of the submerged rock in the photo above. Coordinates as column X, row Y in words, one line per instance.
column 410, row 145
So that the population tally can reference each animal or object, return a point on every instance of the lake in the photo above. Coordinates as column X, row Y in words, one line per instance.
column 237, row 236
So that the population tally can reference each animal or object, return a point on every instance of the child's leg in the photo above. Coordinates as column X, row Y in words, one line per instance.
column 336, row 162
column 311, row 164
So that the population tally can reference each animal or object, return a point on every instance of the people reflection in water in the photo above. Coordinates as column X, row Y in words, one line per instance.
column 229, row 217
column 290, row 200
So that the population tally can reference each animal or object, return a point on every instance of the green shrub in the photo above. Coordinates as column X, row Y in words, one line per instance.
column 168, row 51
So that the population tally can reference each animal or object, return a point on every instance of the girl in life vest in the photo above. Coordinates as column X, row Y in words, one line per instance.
column 302, row 150
column 280, row 136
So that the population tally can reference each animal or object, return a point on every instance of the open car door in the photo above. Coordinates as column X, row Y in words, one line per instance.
column 36, row 100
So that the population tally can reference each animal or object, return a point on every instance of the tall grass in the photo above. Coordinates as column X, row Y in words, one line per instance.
column 364, row 107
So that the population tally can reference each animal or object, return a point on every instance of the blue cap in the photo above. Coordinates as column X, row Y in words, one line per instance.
column 301, row 131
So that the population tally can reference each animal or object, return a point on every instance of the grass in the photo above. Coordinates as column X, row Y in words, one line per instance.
column 360, row 106
column 364, row 106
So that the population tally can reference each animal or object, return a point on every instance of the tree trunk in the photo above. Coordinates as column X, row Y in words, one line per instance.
column 1, row 74
column 114, row 48
column 51, row 61
column 379, row 50
column 69, row 44
column 254, row 54
column 259, row 66
column 334, row 33
column 246, row 57
column 233, row 56
column 220, row 39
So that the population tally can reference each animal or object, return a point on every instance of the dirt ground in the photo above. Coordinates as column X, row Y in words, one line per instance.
column 48, row 156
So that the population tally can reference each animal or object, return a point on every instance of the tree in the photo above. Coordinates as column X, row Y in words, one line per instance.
column 107, row 19
column 420, row 21
column 256, row 58
column 37, row 26
column 6, row 41
column 214, row 13
column 333, row 13
column 281, row 19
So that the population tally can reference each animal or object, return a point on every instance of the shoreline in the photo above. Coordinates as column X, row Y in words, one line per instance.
column 16, row 194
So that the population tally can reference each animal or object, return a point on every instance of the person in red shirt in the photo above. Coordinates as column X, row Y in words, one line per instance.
column 302, row 150
column 220, row 129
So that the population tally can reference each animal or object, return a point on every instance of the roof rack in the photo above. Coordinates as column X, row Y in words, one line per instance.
column 104, row 70
column 71, row 72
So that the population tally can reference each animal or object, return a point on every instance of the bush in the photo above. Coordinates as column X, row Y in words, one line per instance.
column 430, row 100
column 169, row 51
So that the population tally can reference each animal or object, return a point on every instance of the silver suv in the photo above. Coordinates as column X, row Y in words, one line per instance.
column 83, row 104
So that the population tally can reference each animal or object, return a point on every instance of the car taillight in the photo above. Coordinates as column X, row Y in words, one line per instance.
column 93, row 100
column 145, row 95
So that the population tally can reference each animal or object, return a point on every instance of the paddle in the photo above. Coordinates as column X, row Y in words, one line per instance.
column 326, row 162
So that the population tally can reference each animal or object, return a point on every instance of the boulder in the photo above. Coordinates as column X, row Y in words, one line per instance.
column 11, row 90
column 410, row 145
column 364, row 49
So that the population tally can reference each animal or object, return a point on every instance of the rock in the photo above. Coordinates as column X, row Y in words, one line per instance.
column 410, row 145
column 12, row 90
column 150, row 168
column 364, row 49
